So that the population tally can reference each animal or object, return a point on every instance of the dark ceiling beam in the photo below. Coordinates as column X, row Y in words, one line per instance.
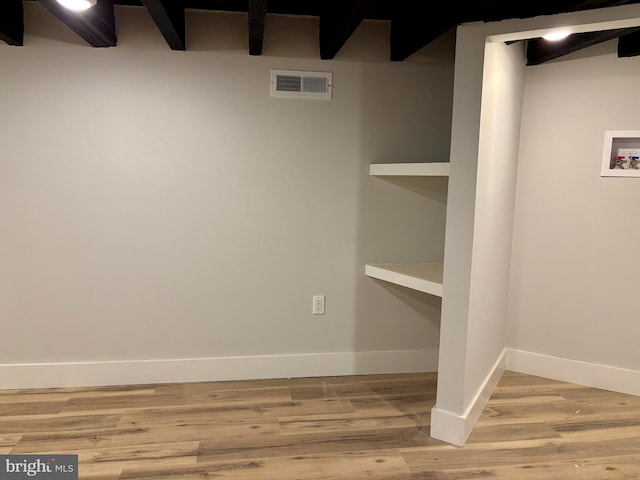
column 97, row 26
column 413, row 27
column 590, row 4
column 540, row 51
column 284, row 7
column 168, row 16
column 506, row 9
column 256, row 16
column 12, row 22
column 338, row 24
column 629, row 45
column 409, row 34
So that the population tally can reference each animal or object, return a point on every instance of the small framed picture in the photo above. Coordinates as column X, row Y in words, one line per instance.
column 621, row 153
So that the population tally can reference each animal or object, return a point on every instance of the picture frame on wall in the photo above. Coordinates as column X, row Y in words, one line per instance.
column 621, row 153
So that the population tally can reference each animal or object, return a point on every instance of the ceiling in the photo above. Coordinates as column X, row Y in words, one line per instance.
column 413, row 25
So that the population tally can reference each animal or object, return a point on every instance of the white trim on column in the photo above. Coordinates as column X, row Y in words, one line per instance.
column 133, row 372
column 452, row 428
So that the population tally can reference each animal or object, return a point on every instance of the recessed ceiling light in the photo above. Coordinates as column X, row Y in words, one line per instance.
column 77, row 5
column 557, row 35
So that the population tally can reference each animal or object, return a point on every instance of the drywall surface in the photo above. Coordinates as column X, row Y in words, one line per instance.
column 574, row 266
column 159, row 205
column 486, row 128
column 484, row 139
column 495, row 198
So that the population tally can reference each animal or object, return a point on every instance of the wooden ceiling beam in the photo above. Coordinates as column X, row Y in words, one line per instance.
column 629, row 45
column 12, row 22
column 338, row 24
column 168, row 16
column 540, row 50
column 590, row 4
column 503, row 9
column 96, row 26
column 410, row 34
column 257, row 14
column 413, row 29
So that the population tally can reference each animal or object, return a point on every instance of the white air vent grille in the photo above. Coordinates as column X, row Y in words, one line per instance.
column 297, row 84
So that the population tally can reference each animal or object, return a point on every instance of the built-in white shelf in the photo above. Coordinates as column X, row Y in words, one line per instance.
column 433, row 169
column 424, row 277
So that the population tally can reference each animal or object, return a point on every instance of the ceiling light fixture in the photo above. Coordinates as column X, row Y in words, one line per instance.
column 77, row 5
column 555, row 36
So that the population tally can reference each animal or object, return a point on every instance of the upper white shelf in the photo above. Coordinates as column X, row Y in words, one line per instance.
column 433, row 169
column 424, row 277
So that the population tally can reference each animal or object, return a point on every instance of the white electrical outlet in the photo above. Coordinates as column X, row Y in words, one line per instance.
column 318, row 304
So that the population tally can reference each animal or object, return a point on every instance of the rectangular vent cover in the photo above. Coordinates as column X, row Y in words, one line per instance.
column 299, row 84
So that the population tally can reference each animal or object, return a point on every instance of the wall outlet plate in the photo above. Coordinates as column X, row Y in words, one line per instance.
column 318, row 304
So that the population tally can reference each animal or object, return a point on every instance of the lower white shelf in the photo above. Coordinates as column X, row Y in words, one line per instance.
column 424, row 277
column 433, row 169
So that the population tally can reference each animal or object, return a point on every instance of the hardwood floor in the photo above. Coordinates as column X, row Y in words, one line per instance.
column 361, row 427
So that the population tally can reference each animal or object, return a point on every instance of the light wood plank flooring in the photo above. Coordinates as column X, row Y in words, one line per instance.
column 360, row 427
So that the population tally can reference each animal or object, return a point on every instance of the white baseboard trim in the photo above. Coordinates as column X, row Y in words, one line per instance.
column 583, row 373
column 455, row 429
column 134, row 372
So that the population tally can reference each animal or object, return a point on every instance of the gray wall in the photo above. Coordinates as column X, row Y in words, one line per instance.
column 159, row 205
column 574, row 281
column 497, row 270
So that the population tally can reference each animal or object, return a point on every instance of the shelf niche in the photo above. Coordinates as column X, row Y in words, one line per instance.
column 423, row 277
